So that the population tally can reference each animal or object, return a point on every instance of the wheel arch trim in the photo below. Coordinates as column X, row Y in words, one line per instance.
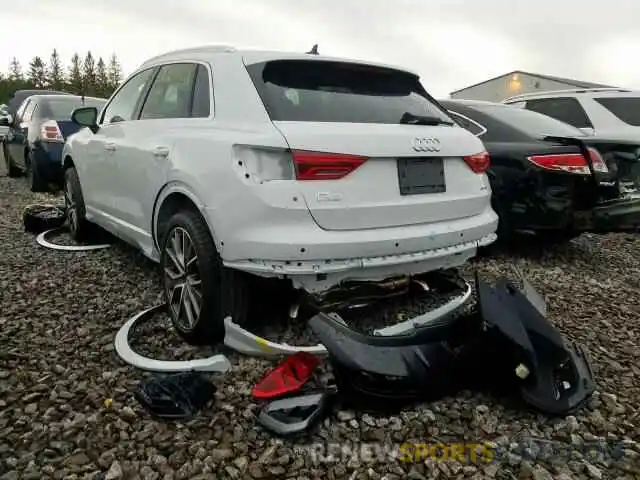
column 179, row 188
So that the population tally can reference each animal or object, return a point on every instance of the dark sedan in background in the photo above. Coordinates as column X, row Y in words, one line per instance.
column 33, row 144
column 548, row 177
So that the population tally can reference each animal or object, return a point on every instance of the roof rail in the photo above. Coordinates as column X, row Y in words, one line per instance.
column 216, row 48
column 570, row 90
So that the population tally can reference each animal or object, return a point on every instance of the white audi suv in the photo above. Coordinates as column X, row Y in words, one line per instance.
column 220, row 163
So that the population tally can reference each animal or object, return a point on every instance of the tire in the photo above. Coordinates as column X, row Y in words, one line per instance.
column 221, row 291
column 77, row 223
column 40, row 218
column 36, row 182
column 12, row 170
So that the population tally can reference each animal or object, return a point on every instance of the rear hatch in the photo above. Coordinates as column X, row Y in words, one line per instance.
column 370, row 147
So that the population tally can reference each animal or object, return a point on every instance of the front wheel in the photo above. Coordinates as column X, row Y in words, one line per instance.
column 199, row 290
column 74, row 206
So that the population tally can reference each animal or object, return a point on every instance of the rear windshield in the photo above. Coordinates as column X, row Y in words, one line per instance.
column 61, row 108
column 324, row 91
column 532, row 123
column 626, row 109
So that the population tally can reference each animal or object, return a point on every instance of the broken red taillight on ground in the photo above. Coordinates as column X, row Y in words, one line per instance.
column 288, row 377
column 324, row 166
column 571, row 162
column 479, row 162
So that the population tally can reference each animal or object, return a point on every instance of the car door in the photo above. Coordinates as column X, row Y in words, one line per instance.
column 96, row 170
column 17, row 137
column 143, row 157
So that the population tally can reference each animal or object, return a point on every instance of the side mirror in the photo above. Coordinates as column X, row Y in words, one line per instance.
column 86, row 117
column 5, row 121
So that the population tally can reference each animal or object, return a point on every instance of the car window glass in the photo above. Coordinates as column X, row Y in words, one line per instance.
column 62, row 108
column 467, row 124
column 532, row 123
column 626, row 109
column 28, row 112
column 201, row 94
column 566, row 109
column 324, row 91
column 21, row 109
column 171, row 92
column 123, row 105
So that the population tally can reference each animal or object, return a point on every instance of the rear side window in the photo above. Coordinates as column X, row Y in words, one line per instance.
column 324, row 91
column 566, row 109
column 201, row 106
column 171, row 92
column 626, row 109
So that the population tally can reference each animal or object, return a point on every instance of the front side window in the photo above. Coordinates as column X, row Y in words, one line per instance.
column 123, row 105
column 171, row 94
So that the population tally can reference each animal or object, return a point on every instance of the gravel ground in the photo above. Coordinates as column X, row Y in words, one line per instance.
column 60, row 312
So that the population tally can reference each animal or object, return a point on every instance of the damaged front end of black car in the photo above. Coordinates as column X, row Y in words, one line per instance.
column 504, row 343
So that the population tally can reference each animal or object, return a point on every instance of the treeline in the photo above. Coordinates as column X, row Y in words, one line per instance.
column 88, row 76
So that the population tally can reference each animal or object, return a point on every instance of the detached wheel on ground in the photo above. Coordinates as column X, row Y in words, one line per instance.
column 74, row 205
column 12, row 170
column 200, row 292
column 36, row 182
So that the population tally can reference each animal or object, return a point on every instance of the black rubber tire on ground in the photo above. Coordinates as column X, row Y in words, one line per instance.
column 225, row 292
column 40, row 218
column 79, row 227
column 12, row 170
column 36, row 182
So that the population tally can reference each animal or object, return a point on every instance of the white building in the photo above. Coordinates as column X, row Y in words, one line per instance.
column 516, row 83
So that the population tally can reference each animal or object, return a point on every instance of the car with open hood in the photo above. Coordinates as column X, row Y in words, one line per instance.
column 549, row 177
column 226, row 164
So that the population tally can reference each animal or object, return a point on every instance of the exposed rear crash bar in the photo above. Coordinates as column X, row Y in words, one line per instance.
column 248, row 343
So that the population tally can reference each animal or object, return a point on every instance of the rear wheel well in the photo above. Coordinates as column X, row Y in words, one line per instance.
column 174, row 203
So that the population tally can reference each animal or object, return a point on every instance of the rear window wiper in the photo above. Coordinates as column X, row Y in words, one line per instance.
column 411, row 119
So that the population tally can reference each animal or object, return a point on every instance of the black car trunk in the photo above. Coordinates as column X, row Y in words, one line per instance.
column 67, row 128
column 623, row 163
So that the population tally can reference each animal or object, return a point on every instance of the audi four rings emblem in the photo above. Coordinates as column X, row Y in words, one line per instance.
column 424, row 144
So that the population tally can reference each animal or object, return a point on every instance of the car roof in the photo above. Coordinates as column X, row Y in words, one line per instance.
column 255, row 56
column 472, row 103
column 576, row 92
column 65, row 97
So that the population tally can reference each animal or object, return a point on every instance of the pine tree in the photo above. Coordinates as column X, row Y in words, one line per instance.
column 15, row 70
column 114, row 73
column 55, row 73
column 75, row 75
column 37, row 75
column 102, row 79
column 89, row 74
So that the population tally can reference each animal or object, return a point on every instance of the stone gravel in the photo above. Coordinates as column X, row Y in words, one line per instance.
column 67, row 409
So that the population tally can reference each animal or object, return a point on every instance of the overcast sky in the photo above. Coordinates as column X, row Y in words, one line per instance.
column 450, row 43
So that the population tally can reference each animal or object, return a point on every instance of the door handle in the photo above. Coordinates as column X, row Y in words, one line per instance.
column 110, row 147
column 161, row 152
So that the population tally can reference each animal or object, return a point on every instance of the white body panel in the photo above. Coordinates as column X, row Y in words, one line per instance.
column 358, row 226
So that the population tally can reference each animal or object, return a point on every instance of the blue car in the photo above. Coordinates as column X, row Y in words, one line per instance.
column 33, row 144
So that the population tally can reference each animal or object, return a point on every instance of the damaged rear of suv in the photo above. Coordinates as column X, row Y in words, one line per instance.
column 308, row 168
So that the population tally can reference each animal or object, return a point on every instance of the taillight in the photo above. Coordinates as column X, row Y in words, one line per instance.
column 50, row 132
column 571, row 162
column 478, row 162
column 324, row 166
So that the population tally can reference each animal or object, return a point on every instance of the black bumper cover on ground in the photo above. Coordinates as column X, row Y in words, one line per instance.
column 505, row 334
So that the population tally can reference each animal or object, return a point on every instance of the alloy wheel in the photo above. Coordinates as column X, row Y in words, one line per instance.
column 182, row 280
column 70, row 207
